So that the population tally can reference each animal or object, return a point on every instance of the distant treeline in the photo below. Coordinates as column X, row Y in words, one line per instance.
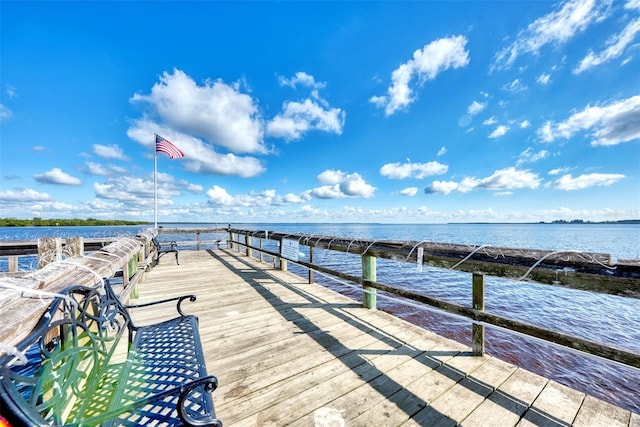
column 580, row 221
column 39, row 222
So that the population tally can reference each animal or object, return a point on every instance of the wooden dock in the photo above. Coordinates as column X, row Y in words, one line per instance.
column 290, row 353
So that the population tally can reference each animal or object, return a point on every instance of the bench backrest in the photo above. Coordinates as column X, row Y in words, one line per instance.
column 70, row 354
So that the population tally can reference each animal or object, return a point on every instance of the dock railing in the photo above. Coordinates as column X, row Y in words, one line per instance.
column 514, row 264
column 60, row 266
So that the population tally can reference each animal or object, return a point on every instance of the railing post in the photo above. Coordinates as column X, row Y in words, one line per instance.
column 13, row 264
column 247, row 242
column 369, row 273
column 49, row 250
column 74, row 246
column 478, row 304
column 261, row 254
column 197, row 240
column 311, row 248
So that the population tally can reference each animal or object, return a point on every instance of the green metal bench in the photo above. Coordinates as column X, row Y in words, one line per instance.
column 165, row 248
column 80, row 371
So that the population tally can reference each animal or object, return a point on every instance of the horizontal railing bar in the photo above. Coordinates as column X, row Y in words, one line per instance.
column 578, row 270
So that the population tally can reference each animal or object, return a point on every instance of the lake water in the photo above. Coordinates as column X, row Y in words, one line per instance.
column 603, row 318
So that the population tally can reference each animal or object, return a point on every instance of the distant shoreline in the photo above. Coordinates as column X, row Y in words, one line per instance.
column 76, row 222
column 561, row 222
column 38, row 222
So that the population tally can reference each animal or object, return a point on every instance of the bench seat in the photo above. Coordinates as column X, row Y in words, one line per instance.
column 80, row 372
column 165, row 248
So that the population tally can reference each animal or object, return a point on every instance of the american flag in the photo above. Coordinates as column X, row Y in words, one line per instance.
column 165, row 146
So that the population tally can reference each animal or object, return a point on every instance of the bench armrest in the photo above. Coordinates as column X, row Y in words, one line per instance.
column 180, row 299
column 210, row 384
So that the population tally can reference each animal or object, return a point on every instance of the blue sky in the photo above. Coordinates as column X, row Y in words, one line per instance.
column 405, row 112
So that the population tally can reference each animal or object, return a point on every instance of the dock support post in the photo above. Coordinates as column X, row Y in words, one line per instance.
column 261, row 254
column 311, row 248
column 49, row 250
column 369, row 299
column 197, row 240
column 283, row 264
column 74, row 246
column 13, row 264
column 478, row 304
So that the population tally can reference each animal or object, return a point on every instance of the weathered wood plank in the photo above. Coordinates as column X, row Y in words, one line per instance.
column 596, row 413
column 555, row 404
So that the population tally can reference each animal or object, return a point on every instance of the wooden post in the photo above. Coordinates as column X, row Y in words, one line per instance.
column 13, row 264
column 197, row 240
column 261, row 254
column 311, row 248
column 247, row 242
column 369, row 299
column 478, row 304
column 74, row 246
column 49, row 250
column 283, row 264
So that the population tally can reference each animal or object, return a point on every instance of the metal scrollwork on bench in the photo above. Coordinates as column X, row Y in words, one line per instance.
column 80, row 372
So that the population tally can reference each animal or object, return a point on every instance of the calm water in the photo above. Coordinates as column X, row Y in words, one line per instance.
column 584, row 314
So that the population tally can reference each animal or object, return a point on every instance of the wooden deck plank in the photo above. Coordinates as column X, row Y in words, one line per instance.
column 291, row 353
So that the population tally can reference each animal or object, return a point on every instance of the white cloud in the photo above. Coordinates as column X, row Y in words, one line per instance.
column 132, row 190
column 411, row 191
column 515, row 86
column 301, row 78
column 499, row 131
column 219, row 196
column 475, row 108
column 632, row 4
column 109, row 152
column 96, row 169
column 442, row 187
column 57, row 176
column 298, row 118
column 442, row 151
column 413, row 170
column 5, row 113
column 330, row 176
column 569, row 19
column 267, row 198
column 490, row 121
column 11, row 92
column 528, row 156
column 525, row 124
column 24, row 195
column 558, row 171
column 214, row 110
column 543, row 79
column 616, row 46
column 501, row 180
column 340, row 185
column 327, row 192
column 568, row 182
column 612, row 124
column 434, row 58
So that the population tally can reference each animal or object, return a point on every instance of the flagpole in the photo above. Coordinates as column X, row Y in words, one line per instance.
column 155, row 183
